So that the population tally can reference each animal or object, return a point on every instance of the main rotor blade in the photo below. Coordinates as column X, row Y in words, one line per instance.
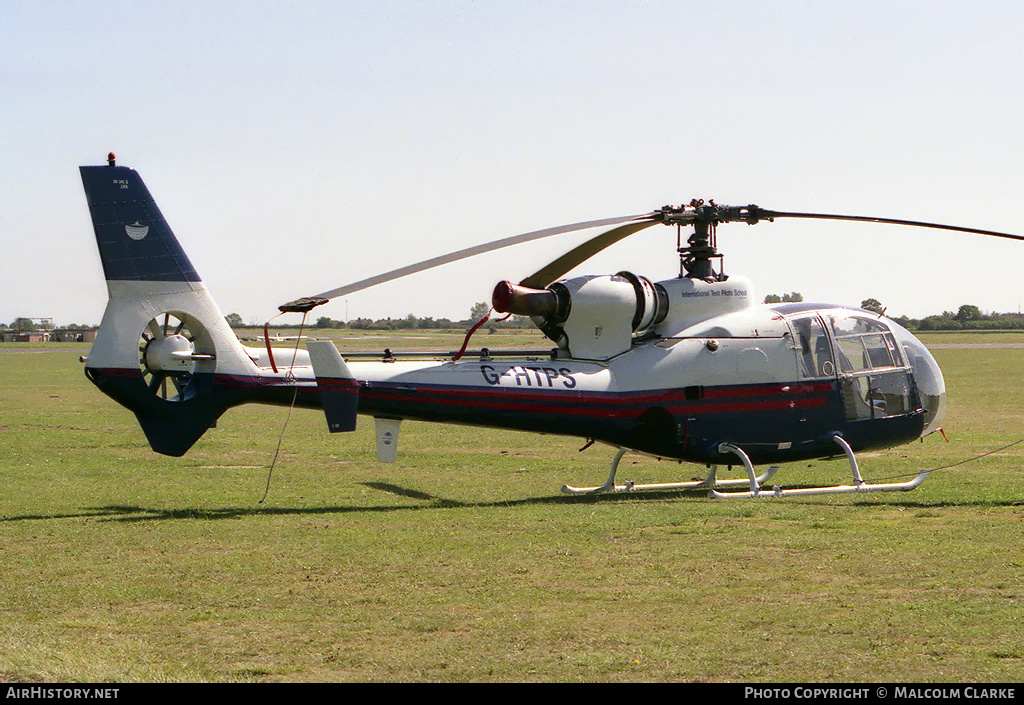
column 554, row 270
column 463, row 254
column 767, row 214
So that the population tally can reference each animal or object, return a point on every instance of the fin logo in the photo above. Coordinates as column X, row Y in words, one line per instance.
column 136, row 231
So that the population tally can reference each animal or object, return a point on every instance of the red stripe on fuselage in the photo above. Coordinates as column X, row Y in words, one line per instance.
column 774, row 396
column 605, row 404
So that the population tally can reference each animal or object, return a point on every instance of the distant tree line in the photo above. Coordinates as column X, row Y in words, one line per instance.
column 407, row 323
column 411, row 322
column 29, row 325
column 967, row 317
column 791, row 298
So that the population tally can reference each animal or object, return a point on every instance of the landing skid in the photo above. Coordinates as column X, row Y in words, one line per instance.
column 755, row 482
column 708, row 482
column 756, row 489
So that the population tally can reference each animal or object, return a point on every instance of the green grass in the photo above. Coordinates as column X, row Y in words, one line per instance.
column 463, row 562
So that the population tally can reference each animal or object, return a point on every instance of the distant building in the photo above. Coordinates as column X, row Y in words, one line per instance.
column 60, row 335
column 73, row 335
column 35, row 336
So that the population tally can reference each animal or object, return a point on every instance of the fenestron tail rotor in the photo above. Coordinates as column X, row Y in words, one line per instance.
column 168, row 354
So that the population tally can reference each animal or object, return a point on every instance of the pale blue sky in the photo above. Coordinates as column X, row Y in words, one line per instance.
column 295, row 147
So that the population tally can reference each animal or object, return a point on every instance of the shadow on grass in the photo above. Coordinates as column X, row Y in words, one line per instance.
column 125, row 513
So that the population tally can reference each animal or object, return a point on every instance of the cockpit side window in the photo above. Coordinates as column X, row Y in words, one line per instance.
column 813, row 349
column 865, row 344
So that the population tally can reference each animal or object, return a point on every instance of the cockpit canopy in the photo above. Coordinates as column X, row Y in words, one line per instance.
column 872, row 356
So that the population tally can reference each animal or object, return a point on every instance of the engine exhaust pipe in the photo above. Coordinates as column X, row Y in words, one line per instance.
column 523, row 301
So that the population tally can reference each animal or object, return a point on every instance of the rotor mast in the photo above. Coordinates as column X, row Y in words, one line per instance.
column 695, row 259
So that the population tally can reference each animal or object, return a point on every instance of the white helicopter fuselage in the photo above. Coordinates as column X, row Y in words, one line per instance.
column 678, row 369
column 777, row 381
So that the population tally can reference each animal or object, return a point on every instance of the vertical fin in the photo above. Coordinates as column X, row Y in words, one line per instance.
column 151, row 281
column 135, row 242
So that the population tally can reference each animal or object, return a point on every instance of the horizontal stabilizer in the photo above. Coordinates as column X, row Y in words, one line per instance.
column 339, row 391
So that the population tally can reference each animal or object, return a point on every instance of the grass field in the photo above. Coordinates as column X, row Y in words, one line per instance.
column 463, row 562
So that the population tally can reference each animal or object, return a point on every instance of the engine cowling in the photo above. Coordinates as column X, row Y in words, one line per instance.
column 593, row 317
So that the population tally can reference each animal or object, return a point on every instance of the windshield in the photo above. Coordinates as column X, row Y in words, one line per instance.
column 927, row 377
column 865, row 344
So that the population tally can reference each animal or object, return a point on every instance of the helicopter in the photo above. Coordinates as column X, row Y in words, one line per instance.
column 690, row 369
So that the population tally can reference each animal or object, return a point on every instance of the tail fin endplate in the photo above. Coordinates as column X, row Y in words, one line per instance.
column 339, row 391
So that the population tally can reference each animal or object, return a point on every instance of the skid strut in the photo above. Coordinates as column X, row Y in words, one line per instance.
column 859, row 485
column 708, row 482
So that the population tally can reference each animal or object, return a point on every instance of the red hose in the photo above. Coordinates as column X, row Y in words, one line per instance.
column 266, row 339
column 465, row 343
